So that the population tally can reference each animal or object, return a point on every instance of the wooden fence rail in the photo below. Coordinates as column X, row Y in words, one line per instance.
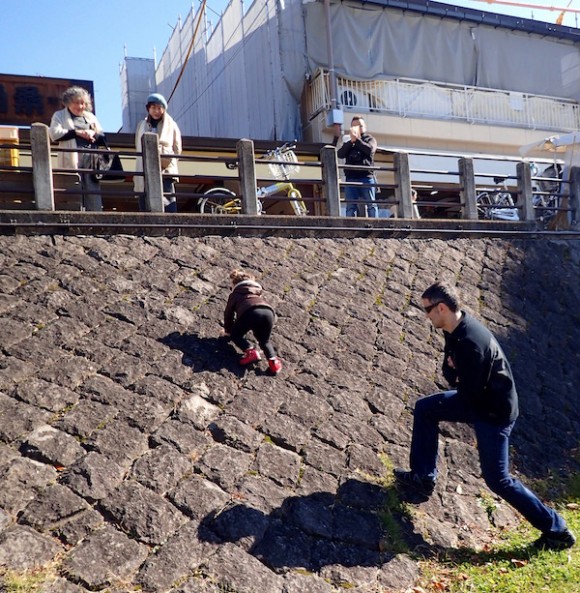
column 45, row 181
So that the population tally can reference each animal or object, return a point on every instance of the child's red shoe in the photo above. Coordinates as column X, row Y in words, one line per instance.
column 275, row 365
column 251, row 355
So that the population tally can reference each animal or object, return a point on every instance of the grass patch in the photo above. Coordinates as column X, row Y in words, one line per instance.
column 28, row 581
column 392, row 514
column 510, row 566
column 390, row 517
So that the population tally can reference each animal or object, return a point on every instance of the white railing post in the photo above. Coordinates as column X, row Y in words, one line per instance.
column 42, row 169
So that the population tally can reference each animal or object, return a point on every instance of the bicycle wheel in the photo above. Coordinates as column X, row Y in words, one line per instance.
column 219, row 200
column 504, row 198
column 483, row 200
column 298, row 205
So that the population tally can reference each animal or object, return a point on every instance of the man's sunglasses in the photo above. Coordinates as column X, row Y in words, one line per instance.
column 430, row 308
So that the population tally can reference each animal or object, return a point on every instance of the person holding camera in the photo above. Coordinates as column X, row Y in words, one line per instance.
column 359, row 150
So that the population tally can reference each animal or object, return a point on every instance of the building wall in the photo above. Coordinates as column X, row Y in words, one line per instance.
column 137, row 83
column 375, row 42
column 239, row 78
column 246, row 76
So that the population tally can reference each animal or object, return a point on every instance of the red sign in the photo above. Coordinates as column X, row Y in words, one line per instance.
column 28, row 99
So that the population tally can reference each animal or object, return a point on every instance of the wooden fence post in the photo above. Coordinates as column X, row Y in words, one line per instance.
column 330, row 180
column 467, row 194
column 247, row 170
column 574, row 200
column 525, row 192
column 403, row 193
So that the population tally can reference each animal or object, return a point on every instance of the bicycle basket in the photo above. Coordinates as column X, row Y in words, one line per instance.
column 287, row 168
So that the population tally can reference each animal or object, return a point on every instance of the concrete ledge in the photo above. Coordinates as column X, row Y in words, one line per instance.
column 199, row 225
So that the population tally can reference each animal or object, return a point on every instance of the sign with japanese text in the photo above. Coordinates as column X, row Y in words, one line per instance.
column 28, row 99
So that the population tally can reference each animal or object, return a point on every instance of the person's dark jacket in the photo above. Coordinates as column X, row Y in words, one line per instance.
column 359, row 153
column 480, row 372
column 244, row 296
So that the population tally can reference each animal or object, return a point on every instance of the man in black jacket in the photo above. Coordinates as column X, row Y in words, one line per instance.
column 359, row 150
column 484, row 395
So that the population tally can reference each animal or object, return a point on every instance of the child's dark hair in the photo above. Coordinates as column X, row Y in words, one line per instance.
column 237, row 276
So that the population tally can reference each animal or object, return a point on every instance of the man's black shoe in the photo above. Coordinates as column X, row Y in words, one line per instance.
column 555, row 541
column 416, row 488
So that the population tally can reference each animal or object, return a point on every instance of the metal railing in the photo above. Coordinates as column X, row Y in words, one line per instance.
column 417, row 98
column 463, row 180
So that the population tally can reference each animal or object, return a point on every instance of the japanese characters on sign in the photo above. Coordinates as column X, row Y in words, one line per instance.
column 28, row 99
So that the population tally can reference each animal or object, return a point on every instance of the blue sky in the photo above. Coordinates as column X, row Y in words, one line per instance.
column 64, row 39
column 87, row 40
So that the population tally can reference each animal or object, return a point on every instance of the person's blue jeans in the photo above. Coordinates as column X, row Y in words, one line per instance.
column 169, row 203
column 493, row 448
column 363, row 195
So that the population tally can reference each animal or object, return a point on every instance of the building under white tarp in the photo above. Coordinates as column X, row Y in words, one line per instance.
column 137, row 83
column 247, row 77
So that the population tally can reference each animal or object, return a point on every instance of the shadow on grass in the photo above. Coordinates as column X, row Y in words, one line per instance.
column 458, row 556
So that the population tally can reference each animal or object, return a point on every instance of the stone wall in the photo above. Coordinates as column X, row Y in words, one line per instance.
column 135, row 452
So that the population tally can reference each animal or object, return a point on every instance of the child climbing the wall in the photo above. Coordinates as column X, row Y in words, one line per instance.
column 247, row 310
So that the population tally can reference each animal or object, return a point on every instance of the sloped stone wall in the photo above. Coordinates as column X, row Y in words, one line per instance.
column 135, row 452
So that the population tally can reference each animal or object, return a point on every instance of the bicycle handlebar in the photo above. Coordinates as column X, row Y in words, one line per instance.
column 286, row 147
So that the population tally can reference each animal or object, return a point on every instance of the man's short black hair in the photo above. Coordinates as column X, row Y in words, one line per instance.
column 443, row 292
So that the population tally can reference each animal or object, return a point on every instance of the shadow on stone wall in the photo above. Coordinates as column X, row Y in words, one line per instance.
column 200, row 353
column 541, row 333
column 311, row 531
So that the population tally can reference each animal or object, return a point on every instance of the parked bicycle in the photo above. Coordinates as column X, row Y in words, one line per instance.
column 220, row 200
column 497, row 203
column 546, row 191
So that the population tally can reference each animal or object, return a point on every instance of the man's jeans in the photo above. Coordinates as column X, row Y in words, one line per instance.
column 364, row 195
column 493, row 448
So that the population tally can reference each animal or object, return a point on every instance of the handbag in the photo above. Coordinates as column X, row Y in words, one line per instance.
column 108, row 167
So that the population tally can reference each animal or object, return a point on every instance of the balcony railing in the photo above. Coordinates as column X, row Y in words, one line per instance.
column 415, row 98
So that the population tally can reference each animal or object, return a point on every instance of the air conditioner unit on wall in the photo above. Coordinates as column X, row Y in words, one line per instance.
column 352, row 100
